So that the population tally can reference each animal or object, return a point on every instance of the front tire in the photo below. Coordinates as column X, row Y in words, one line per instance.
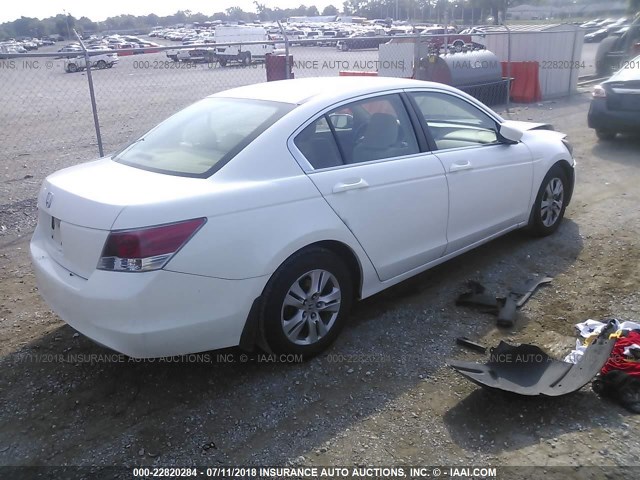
column 550, row 203
column 306, row 302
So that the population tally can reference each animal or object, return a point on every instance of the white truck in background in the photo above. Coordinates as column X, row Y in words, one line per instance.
column 241, row 34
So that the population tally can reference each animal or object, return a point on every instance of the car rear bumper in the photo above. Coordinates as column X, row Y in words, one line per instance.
column 601, row 117
column 149, row 314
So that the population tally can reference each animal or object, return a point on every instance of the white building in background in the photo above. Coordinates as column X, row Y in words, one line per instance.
column 541, row 12
column 318, row 19
column 556, row 47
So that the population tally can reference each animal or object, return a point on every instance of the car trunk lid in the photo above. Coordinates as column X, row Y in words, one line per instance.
column 623, row 95
column 78, row 207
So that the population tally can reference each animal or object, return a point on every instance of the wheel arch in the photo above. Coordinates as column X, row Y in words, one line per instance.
column 350, row 259
column 343, row 251
column 569, row 171
column 253, row 331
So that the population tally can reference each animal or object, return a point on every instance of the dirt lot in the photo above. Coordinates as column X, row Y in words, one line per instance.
column 382, row 395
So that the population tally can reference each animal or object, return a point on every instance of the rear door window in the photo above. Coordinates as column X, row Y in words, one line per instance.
column 200, row 139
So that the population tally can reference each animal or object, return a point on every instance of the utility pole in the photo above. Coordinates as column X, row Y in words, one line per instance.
column 66, row 20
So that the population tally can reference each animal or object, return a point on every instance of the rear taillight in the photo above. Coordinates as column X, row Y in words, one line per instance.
column 599, row 92
column 147, row 248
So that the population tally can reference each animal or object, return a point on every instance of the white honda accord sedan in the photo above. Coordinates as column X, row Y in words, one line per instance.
column 259, row 214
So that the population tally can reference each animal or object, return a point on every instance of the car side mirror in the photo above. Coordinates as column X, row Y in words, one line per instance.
column 507, row 134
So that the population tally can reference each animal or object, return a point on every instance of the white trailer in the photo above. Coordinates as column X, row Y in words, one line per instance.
column 242, row 53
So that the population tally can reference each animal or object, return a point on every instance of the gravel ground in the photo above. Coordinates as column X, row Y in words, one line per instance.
column 382, row 395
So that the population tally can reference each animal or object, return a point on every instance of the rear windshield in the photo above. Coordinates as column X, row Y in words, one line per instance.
column 199, row 140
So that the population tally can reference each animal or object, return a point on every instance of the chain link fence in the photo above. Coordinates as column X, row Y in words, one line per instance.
column 59, row 109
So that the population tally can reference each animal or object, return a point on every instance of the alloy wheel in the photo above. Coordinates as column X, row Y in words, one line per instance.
column 311, row 307
column 552, row 201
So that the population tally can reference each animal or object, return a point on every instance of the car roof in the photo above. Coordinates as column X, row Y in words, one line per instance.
column 302, row 90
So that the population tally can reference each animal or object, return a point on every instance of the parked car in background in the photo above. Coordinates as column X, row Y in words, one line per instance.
column 597, row 35
column 401, row 30
column 604, row 32
column 454, row 39
column 591, row 23
column 7, row 49
column 328, row 38
column 149, row 47
column 616, row 49
column 311, row 37
column 615, row 103
column 258, row 215
column 193, row 54
column 30, row 45
column 605, row 22
column 127, row 48
column 13, row 47
column 294, row 35
column 98, row 60
column 362, row 41
column 71, row 48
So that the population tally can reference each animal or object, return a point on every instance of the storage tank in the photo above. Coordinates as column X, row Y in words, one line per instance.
column 460, row 69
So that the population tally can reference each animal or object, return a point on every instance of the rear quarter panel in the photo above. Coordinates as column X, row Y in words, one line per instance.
column 262, row 208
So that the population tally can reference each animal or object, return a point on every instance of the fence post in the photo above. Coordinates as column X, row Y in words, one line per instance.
column 573, row 62
column 287, row 65
column 446, row 31
column 92, row 95
column 416, row 57
column 508, row 67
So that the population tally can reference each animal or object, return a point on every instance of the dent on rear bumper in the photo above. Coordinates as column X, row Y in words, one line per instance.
column 150, row 314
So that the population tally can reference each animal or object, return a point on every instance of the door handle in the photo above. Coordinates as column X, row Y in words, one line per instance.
column 456, row 167
column 350, row 185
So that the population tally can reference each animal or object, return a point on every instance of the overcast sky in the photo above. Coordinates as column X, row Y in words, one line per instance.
column 99, row 10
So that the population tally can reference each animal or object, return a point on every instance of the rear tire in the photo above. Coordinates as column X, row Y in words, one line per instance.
column 222, row 62
column 246, row 59
column 550, row 204
column 605, row 135
column 306, row 303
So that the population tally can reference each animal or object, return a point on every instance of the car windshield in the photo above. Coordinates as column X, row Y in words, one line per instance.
column 199, row 140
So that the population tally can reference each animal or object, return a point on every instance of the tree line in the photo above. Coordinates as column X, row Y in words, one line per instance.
column 453, row 11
